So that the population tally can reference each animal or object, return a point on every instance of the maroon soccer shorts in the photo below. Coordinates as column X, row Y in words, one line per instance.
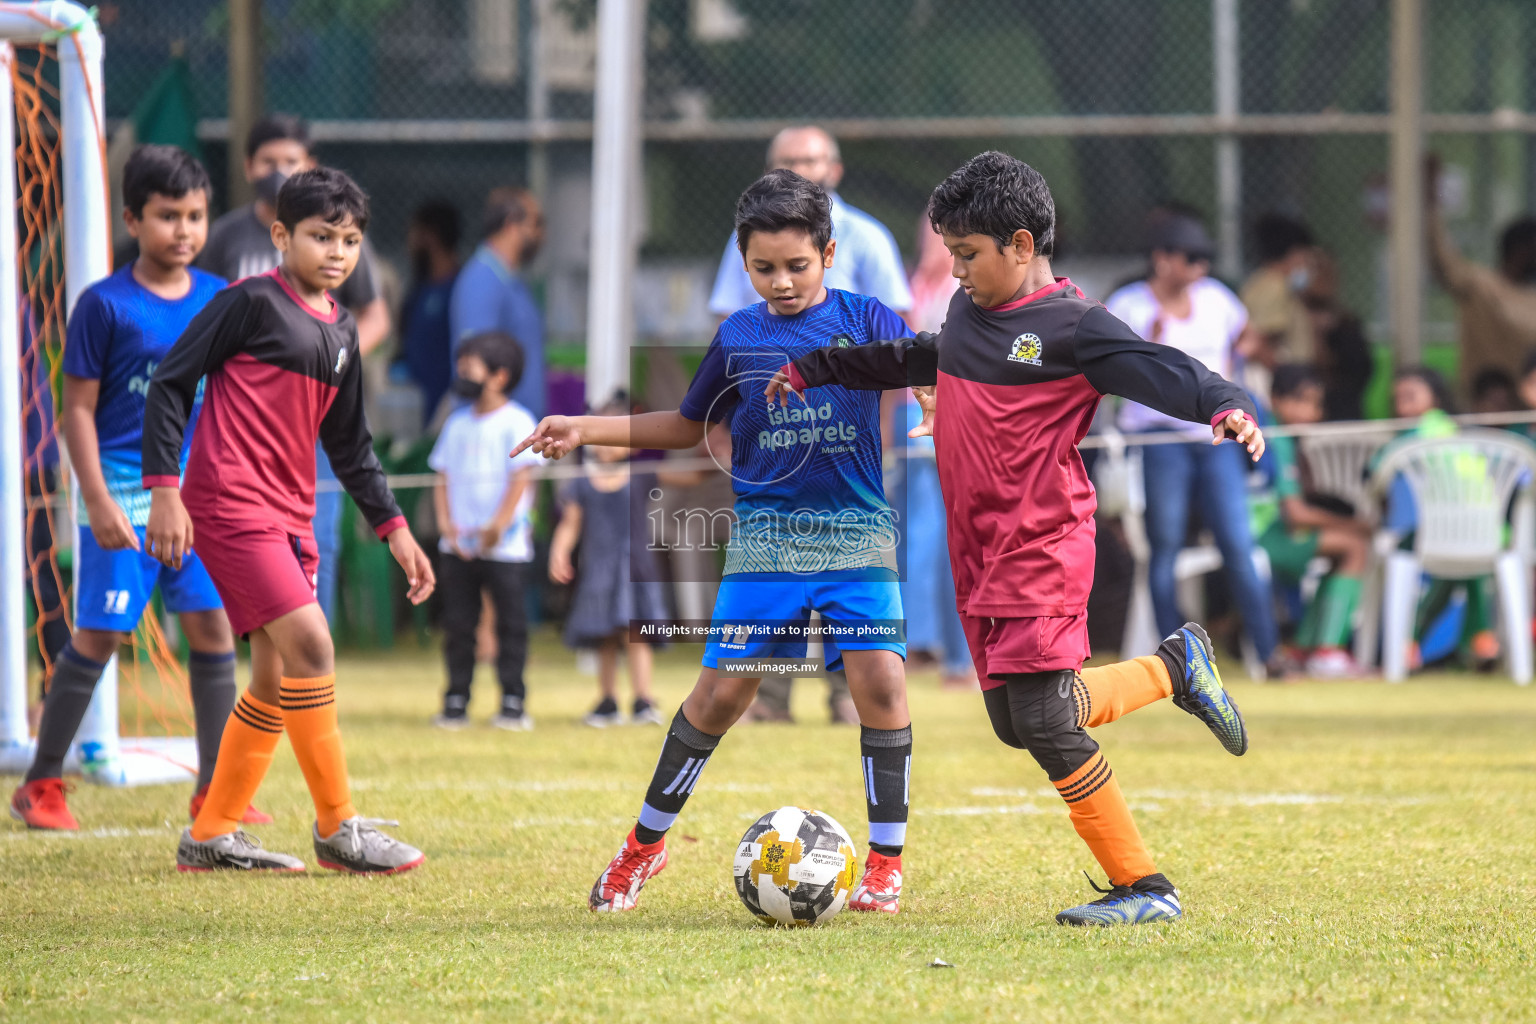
column 1002, row 647
column 261, row 571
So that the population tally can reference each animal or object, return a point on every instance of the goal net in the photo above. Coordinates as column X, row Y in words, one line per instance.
column 53, row 180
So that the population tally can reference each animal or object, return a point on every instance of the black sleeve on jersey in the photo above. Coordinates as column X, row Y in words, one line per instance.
column 347, row 440
column 1117, row 362
column 215, row 334
column 875, row 365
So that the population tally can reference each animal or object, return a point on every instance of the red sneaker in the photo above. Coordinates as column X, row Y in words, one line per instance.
column 251, row 816
column 880, row 888
column 40, row 803
column 618, row 887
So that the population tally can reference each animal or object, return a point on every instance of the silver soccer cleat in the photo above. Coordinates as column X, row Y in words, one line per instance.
column 360, row 848
column 232, row 851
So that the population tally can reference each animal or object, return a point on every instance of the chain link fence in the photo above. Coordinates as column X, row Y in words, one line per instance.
column 1114, row 101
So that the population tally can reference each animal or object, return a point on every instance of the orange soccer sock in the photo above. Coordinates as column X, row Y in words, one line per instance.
column 1118, row 689
column 245, row 754
column 309, row 714
column 1102, row 819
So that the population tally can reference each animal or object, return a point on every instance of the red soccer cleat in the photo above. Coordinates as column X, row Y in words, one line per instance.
column 880, row 888
column 618, row 887
column 40, row 803
column 251, row 816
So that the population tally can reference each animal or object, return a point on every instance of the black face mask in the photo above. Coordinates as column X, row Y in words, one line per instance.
column 469, row 389
column 267, row 188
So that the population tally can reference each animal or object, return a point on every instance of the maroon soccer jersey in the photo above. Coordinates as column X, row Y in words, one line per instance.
column 280, row 376
column 1018, row 387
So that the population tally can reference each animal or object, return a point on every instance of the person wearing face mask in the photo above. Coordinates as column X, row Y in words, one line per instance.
column 491, row 294
column 1180, row 305
column 240, row 242
column 240, row 245
column 1273, row 293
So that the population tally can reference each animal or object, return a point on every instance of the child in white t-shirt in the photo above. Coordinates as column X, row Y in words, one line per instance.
column 483, row 505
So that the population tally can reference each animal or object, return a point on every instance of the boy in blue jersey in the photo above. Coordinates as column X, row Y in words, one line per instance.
column 813, row 532
column 120, row 329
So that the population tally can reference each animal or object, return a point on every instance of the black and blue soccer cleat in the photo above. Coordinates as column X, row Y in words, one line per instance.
column 1147, row 901
column 1197, row 686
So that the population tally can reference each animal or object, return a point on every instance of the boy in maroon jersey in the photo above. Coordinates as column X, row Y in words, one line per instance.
column 283, row 369
column 1022, row 362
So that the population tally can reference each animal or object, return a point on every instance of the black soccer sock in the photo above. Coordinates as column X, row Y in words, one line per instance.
column 69, row 694
column 211, row 678
column 683, row 756
column 887, row 760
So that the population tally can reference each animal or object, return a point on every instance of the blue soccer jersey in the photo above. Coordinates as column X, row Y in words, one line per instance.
column 117, row 334
column 809, row 493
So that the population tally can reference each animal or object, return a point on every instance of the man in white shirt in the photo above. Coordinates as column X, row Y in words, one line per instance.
column 867, row 260
column 1180, row 305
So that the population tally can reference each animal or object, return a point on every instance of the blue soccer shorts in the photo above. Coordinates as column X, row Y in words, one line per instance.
column 766, row 615
column 112, row 588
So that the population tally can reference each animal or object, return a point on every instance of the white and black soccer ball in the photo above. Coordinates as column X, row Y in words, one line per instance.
column 795, row 867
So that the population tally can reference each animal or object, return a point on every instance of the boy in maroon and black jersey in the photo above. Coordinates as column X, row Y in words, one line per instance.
column 283, row 369
column 1022, row 362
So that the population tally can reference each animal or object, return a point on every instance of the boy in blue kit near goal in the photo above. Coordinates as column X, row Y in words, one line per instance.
column 813, row 531
column 120, row 329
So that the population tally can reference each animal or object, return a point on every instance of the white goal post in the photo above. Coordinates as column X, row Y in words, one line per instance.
column 87, row 258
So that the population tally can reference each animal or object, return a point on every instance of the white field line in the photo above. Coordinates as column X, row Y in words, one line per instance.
column 533, row 786
column 1216, row 799
column 91, row 833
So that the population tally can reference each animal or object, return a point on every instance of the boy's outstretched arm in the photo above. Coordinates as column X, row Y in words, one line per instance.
column 874, row 366
column 1117, row 362
column 557, row 436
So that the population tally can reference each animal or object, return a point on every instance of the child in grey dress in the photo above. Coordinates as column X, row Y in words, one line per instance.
column 617, row 580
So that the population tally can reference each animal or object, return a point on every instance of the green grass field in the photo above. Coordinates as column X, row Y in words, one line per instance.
column 1370, row 859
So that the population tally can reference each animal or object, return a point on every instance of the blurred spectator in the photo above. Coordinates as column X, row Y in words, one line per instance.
column 240, row 242
column 1496, row 309
column 928, row 592
column 866, row 262
column 1273, row 292
column 1453, row 614
column 491, row 295
column 1344, row 352
column 1294, row 525
column 1527, row 393
column 1493, row 390
column 1179, row 304
column 240, row 245
column 426, row 343
column 484, row 503
column 618, row 580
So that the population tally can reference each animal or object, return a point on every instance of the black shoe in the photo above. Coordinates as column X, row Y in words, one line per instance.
column 1197, row 686
column 645, row 713
column 605, row 714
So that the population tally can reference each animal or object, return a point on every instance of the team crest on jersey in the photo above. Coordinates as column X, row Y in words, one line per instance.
column 843, row 341
column 341, row 358
column 1026, row 349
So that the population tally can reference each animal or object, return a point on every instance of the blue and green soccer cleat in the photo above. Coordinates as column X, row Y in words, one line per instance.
column 1146, row 901
column 1197, row 686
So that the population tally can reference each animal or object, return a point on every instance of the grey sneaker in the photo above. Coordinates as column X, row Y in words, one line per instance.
column 446, row 721
column 233, row 851
column 513, row 723
column 645, row 713
column 359, row 847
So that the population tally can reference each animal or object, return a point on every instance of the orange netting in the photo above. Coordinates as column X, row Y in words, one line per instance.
column 154, row 690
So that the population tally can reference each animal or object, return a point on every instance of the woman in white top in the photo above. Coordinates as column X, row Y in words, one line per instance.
column 1180, row 305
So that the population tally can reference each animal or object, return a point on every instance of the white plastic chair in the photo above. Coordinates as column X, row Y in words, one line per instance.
column 1461, row 486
